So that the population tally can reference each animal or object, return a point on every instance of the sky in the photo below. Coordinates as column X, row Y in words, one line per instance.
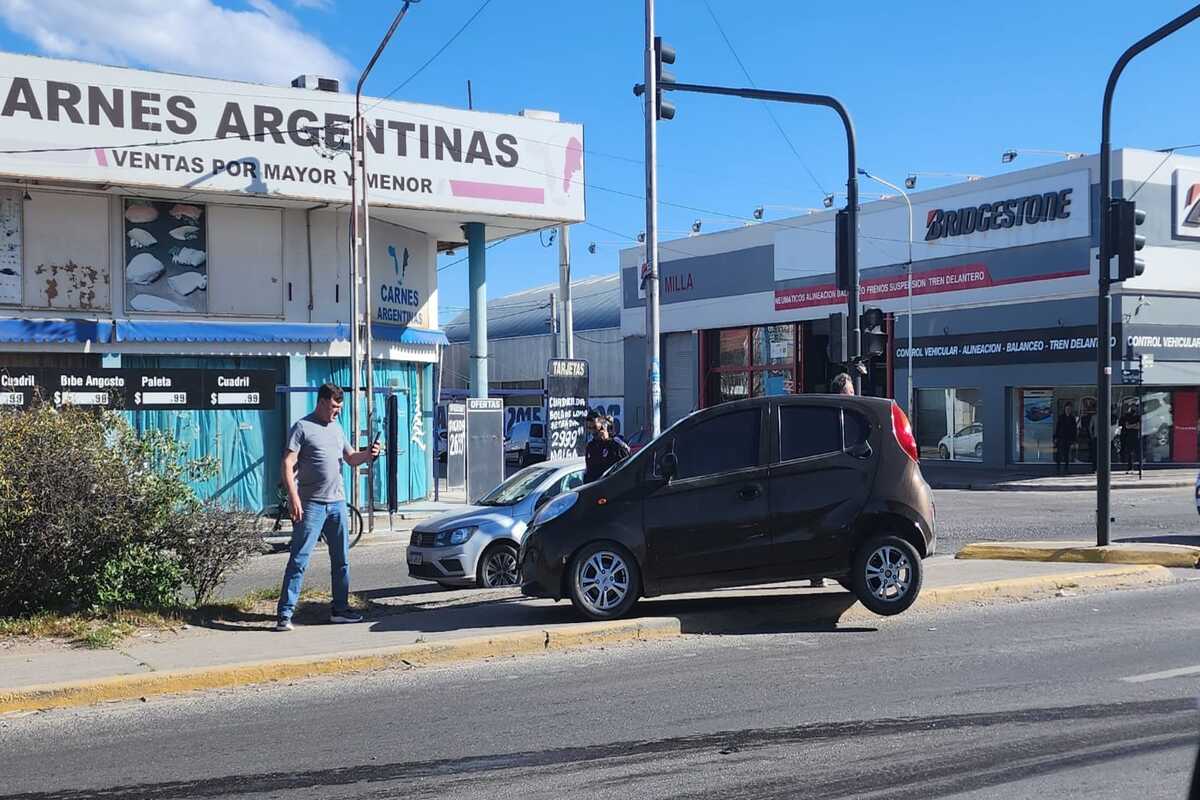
column 932, row 85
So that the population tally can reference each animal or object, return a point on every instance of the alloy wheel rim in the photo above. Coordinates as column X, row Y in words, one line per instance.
column 603, row 581
column 889, row 574
column 500, row 569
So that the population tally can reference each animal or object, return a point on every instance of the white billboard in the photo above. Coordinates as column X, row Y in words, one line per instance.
column 84, row 122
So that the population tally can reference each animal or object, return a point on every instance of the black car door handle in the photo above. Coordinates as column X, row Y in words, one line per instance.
column 749, row 492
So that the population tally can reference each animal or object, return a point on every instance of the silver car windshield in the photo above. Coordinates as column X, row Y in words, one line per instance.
column 517, row 487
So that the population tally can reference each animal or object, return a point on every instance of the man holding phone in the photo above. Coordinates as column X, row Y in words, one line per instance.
column 312, row 473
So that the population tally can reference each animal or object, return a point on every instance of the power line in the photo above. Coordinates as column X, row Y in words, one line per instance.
column 764, row 104
column 433, row 58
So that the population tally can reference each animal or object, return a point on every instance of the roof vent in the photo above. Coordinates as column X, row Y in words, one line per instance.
column 317, row 83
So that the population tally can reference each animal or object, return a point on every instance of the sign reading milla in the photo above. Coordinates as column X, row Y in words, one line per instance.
column 109, row 124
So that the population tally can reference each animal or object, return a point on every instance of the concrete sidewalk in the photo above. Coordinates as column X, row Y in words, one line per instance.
column 957, row 475
column 415, row 626
column 1145, row 551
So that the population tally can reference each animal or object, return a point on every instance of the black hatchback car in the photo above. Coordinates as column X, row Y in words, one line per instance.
column 749, row 492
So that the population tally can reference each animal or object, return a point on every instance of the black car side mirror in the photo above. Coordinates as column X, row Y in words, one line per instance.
column 862, row 450
column 668, row 466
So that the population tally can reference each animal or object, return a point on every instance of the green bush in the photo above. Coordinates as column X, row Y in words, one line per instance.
column 86, row 511
column 209, row 541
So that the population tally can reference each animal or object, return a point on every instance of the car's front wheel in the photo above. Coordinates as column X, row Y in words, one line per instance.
column 604, row 581
column 887, row 574
column 498, row 567
column 943, row 452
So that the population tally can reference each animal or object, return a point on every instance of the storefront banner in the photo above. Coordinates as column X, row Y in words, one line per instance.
column 11, row 246
column 1043, row 345
column 937, row 281
column 166, row 257
column 141, row 389
column 402, row 277
column 1163, row 342
column 84, row 122
column 981, row 216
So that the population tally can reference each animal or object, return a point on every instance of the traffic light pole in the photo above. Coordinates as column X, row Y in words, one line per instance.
column 1104, row 303
column 653, row 354
column 854, row 345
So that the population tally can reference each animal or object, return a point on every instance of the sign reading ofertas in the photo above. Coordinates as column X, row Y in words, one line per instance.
column 78, row 121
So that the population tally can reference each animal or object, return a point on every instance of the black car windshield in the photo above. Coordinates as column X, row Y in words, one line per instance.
column 517, row 487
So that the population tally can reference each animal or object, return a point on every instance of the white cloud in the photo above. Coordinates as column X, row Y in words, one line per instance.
column 261, row 43
column 320, row 5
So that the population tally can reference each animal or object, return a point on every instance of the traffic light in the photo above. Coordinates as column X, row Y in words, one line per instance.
column 1123, row 221
column 663, row 54
column 841, row 246
column 837, row 338
column 874, row 335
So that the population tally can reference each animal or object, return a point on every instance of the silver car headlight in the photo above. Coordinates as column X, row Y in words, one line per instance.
column 453, row 537
column 556, row 508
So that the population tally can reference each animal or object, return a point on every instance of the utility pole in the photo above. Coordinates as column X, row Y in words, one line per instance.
column 554, row 338
column 1104, row 298
column 564, row 289
column 361, row 248
column 653, row 356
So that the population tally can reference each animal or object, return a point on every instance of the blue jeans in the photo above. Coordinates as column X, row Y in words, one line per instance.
column 319, row 517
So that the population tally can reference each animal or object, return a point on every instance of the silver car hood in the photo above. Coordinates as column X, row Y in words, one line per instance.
column 498, row 516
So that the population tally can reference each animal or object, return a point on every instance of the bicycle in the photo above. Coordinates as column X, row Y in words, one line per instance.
column 273, row 525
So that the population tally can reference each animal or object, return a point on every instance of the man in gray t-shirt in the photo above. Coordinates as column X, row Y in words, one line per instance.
column 312, row 473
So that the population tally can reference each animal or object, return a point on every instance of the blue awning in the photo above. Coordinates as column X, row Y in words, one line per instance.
column 55, row 330
column 407, row 335
column 147, row 330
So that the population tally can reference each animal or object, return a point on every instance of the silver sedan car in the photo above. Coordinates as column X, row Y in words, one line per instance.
column 478, row 546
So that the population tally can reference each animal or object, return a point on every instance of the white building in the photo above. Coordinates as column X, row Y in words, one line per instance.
column 161, row 221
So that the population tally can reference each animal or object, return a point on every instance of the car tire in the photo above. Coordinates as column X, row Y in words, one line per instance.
column 979, row 451
column 523, row 458
column 498, row 567
column 943, row 452
column 887, row 574
column 603, row 581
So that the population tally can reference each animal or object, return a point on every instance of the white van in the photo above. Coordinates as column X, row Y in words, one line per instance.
column 525, row 443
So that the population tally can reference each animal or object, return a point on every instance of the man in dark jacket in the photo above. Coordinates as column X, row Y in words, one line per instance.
column 1065, row 431
column 603, row 450
column 1131, row 430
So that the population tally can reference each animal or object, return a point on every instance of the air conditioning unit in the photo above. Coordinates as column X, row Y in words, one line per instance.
column 317, row 83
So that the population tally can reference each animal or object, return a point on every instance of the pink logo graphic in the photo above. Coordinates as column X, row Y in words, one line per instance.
column 573, row 162
column 101, row 157
column 1192, row 217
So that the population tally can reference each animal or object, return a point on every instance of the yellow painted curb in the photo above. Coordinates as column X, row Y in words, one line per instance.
column 1163, row 555
column 130, row 687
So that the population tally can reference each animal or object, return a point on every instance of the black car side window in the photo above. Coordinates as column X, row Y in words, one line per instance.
column 855, row 429
column 721, row 444
column 806, row 431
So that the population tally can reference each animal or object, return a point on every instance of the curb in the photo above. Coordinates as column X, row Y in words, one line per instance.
column 828, row 609
column 1052, row 487
column 1163, row 555
column 132, row 687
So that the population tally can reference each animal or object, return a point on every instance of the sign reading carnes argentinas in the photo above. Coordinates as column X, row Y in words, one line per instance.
column 113, row 125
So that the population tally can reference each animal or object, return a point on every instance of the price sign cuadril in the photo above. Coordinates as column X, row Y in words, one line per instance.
column 566, row 407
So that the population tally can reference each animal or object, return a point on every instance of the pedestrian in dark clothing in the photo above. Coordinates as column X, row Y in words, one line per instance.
column 1065, row 431
column 603, row 450
column 1131, row 424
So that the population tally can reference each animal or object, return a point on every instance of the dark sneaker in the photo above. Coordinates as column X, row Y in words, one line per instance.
column 345, row 616
column 284, row 624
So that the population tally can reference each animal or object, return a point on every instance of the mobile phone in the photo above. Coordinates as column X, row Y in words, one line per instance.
column 375, row 441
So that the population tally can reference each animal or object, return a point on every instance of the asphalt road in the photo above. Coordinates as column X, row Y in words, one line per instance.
column 1069, row 697
column 963, row 517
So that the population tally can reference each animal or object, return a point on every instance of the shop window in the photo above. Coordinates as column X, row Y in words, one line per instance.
column 949, row 424
column 721, row 444
column 749, row 362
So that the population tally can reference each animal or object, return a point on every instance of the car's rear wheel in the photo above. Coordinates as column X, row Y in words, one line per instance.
column 887, row 574
column 979, row 451
column 943, row 452
column 604, row 581
column 498, row 567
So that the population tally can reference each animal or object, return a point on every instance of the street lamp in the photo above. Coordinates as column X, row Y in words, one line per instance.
column 1008, row 156
column 908, row 204
column 911, row 181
